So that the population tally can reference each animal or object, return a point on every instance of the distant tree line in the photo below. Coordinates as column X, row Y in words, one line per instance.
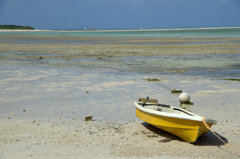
column 15, row 27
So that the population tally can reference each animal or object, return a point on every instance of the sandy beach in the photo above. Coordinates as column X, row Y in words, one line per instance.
column 43, row 122
column 75, row 139
column 44, row 100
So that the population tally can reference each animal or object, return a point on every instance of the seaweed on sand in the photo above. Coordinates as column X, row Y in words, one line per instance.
column 153, row 79
column 232, row 79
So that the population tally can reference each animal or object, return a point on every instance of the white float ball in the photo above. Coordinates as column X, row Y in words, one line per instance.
column 184, row 98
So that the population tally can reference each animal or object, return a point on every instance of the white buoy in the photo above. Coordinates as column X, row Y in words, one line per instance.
column 184, row 98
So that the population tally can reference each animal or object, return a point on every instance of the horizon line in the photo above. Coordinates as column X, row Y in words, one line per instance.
column 139, row 29
column 111, row 30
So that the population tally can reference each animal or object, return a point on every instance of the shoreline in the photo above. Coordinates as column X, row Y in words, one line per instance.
column 122, row 30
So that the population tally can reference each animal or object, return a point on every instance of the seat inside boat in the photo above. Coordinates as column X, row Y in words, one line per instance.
column 154, row 105
column 166, row 108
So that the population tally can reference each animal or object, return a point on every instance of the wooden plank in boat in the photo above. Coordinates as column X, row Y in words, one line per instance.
column 148, row 100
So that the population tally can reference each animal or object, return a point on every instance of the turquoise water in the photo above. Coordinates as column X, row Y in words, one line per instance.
column 211, row 32
column 196, row 65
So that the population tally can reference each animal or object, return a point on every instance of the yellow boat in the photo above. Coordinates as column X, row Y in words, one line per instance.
column 177, row 121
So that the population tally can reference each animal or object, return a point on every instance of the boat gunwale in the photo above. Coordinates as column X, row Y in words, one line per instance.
column 194, row 117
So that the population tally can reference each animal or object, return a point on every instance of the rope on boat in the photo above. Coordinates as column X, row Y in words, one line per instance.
column 171, row 90
column 164, row 86
column 230, row 146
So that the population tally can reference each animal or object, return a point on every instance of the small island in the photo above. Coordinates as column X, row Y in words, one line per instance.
column 15, row 27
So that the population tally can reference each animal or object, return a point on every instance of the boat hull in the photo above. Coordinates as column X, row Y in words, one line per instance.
column 188, row 130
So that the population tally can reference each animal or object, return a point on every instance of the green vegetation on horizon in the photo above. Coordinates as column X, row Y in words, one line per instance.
column 15, row 27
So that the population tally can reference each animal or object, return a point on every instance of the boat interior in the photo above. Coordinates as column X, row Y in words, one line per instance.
column 164, row 108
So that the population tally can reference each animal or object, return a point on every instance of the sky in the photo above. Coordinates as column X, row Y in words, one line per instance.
column 120, row 14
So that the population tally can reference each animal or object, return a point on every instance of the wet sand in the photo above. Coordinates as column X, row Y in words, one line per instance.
column 75, row 47
column 43, row 107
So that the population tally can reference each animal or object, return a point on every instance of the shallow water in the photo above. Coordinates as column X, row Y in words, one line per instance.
column 48, row 93
column 56, row 87
column 214, row 66
column 207, row 32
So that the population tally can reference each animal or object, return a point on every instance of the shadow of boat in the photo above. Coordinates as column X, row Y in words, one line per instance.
column 207, row 139
column 168, row 137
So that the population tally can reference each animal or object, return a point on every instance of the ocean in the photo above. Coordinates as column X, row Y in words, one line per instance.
column 194, row 32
